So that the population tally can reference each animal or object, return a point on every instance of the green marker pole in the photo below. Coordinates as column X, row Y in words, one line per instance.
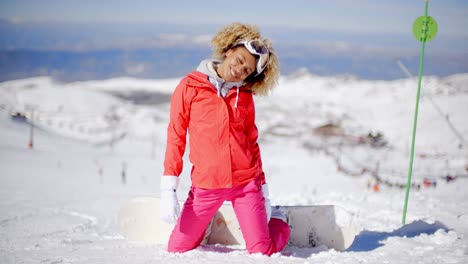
column 424, row 29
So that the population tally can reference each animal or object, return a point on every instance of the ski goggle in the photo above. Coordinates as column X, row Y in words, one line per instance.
column 255, row 47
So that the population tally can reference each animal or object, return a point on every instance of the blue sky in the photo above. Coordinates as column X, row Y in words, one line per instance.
column 361, row 37
column 363, row 16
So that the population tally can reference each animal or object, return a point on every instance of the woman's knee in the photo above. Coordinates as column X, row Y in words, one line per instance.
column 263, row 247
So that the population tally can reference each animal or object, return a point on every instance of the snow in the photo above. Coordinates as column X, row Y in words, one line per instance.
column 93, row 150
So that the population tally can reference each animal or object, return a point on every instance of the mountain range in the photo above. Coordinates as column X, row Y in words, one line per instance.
column 74, row 52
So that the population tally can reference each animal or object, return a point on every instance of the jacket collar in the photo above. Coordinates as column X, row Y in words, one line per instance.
column 202, row 80
column 223, row 87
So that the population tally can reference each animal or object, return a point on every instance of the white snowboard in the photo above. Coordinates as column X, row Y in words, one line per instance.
column 311, row 226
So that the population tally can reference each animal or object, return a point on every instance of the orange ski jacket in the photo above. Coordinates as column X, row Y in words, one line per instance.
column 222, row 134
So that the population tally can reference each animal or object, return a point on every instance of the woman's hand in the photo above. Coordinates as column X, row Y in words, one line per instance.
column 169, row 207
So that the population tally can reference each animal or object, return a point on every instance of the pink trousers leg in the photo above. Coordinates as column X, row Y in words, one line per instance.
column 196, row 214
column 260, row 236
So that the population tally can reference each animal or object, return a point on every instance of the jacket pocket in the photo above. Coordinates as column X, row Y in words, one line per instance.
column 242, row 176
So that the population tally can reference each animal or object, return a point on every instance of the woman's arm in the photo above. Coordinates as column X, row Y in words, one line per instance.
column 177, row 129
column 252, row 137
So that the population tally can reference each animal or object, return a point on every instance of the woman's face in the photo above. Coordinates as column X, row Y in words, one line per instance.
column 238, row 65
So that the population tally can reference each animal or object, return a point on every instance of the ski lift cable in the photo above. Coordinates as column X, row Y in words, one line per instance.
column 438, row 109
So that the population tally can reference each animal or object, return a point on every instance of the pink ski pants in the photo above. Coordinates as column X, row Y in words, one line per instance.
column 249, row 206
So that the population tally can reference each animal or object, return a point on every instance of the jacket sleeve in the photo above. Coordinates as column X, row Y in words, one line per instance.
column 177, row 130
column 252, row 137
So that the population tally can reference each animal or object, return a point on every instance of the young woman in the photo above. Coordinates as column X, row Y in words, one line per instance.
column 215, row 106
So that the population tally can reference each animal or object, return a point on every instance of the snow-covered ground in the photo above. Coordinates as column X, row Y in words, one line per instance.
column 324, row 140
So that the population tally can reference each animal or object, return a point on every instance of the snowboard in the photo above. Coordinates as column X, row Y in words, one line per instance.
column 311, row 226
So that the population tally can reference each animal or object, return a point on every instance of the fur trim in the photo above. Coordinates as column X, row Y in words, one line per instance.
column 229, row 35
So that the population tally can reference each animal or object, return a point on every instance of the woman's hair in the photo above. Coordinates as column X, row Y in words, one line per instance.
column 226, row 38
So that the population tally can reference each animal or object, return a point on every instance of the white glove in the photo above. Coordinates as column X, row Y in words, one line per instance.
column 169, row 208
column 266, row 195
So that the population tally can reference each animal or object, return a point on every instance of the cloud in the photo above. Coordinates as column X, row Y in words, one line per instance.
column 136, row 69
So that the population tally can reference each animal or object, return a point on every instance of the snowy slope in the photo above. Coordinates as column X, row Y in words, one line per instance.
column 99, row 143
